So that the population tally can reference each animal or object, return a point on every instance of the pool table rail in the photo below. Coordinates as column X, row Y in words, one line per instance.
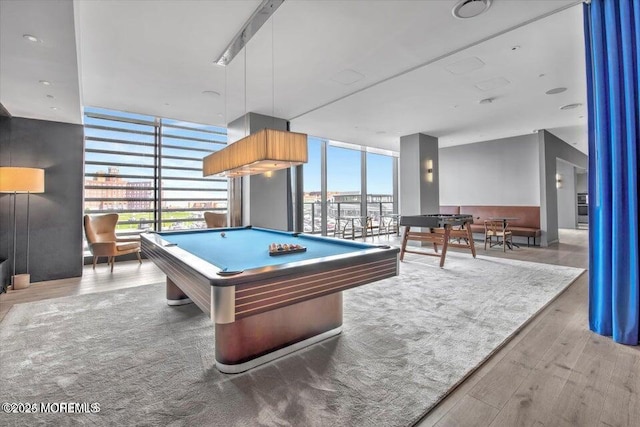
column 221, row 277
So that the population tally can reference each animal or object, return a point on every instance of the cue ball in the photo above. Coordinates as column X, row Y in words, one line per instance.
column 223, row 234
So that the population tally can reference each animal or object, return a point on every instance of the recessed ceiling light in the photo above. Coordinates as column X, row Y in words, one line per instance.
column 54, row 108
column 31, row 38
column 470, row 8
column 45, row 82
column 556, row 90
column 581, row 117
column 219, row 114
column 50, row 96
column 541, row 75
column 570, row 106
column 166, row 104
column 486, row 101
column 210, row 93
column 516, row 47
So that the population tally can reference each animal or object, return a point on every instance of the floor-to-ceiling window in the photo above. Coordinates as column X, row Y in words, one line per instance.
column 380, row 183
column 341, row 182
column 184, row 193
column 344, row 168
column 149, row 170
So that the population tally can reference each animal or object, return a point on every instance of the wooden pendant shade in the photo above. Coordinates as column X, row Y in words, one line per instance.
column 263, row 151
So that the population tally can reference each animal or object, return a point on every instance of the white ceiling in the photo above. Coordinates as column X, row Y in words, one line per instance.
column 357, row 71
column 23, row 64
column 432, row 100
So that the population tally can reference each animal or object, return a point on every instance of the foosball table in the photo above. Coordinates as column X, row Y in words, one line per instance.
column 442, row 229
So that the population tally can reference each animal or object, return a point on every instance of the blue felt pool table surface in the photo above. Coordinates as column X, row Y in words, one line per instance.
column 248, row 248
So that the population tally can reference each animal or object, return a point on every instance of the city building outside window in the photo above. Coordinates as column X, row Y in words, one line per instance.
column 149, row 170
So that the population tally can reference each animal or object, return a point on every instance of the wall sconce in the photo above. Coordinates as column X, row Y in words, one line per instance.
column 429, row 166
column 558, row 180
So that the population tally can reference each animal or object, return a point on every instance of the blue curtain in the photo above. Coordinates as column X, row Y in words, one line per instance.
column 612, row 34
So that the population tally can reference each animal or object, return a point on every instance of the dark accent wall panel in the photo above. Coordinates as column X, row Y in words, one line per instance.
column 56, row 215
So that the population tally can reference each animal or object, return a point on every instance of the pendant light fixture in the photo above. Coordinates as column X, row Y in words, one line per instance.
column 266, row 150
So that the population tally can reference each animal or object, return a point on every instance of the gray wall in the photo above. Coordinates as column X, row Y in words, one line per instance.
column 582, row 182
column 265, row 200
column 552, row 148
column 567, row 202
column 498, row 172
column 56, row 215
column 417, row 195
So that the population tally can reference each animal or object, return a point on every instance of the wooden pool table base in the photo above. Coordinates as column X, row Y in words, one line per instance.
column 261, row 338
column 276, row 354
column 175, row 296
column 183, row 301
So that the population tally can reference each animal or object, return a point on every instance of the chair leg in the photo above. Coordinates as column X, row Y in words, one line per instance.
column 113, row 259
column 139, row 259
column 504, row 243
column 485, row 242
column 95, row 258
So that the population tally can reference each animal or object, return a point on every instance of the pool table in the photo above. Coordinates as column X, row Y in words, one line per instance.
column 264, row 306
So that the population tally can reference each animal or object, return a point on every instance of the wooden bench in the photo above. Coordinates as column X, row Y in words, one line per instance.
column 527, row 225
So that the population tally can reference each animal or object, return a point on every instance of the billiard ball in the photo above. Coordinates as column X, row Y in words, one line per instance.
column 223, row 234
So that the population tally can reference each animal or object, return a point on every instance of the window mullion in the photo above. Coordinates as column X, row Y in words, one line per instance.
column 158, row 129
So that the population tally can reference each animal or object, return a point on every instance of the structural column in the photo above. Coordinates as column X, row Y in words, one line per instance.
column 264, row 200
column 419, row 182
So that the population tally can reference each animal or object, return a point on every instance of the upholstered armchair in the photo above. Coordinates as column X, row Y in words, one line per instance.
column 215, row 220
column 101, row 236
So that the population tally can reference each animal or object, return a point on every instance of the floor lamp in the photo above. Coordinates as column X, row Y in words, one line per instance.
column 21, row 180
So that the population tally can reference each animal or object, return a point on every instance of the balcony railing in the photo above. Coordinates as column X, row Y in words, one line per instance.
column 341, row 210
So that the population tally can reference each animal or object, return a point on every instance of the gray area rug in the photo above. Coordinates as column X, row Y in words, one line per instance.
column 406, row 342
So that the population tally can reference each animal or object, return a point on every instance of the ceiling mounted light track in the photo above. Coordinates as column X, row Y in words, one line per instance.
column 250, row 28
column 470, row 8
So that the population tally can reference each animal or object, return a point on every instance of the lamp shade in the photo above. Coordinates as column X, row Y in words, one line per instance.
column 260, row 152
column 21, row 180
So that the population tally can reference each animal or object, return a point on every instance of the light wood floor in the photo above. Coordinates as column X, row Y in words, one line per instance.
column 554, row 372
column 125, row 275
